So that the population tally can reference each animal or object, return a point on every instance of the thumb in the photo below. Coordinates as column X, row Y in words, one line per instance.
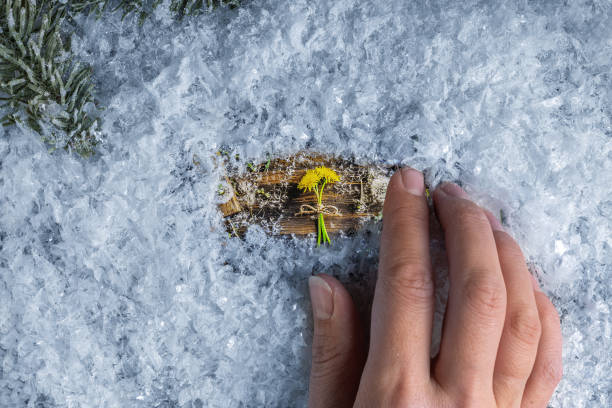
column 337, row 346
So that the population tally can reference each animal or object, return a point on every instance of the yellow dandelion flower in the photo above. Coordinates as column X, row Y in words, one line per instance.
column 328, row 174
column 309, row 180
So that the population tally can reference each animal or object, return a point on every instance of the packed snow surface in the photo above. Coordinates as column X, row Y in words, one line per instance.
column 119, row 286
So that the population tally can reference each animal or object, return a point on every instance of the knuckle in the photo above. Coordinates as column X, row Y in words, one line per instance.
column 469, row 215
column 525, row 326
column 508, row 246
column 550, row 315
column 551, row 372
column 404, row 394
column 394, row 392
column 404, row 217
column 469, row 400
column 485, row 296
column 400, row 396
column 326, row 354
column 410, row 281
column 469, row 394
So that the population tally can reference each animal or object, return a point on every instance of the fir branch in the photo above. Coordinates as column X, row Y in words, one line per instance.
column 40, row 86
column 143, row 8
column 184, row 8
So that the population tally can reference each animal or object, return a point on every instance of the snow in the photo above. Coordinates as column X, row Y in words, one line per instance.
column 119, row 284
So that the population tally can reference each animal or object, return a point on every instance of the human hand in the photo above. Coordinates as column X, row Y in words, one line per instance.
column 501, row 340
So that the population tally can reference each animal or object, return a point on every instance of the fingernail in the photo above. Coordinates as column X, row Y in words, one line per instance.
column 454, row 190
column 535, row 284
column 322, row 298
column 413, row 181
column 495, row 224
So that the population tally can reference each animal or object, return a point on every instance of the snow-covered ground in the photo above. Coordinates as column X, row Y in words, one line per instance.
column 119, row 286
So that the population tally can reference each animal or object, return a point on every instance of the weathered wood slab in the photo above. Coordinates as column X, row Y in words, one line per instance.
column 267, row 194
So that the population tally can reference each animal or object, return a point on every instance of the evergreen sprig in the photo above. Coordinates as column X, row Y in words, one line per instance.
column 194, row 7
column 39, row 83
column 142, row 8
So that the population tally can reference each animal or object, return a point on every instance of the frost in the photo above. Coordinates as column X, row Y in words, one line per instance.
column 123, row 287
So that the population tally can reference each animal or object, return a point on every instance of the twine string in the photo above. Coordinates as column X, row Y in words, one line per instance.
column 306, row 209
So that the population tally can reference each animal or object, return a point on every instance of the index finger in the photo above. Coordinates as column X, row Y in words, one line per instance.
column 402, row 311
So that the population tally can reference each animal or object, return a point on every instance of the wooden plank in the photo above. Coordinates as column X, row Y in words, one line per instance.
column 267, row 194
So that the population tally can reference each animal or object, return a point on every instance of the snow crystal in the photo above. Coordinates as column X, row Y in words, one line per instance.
column 120, row 285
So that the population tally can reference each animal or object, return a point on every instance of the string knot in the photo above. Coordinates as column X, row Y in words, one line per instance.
column 306, row 209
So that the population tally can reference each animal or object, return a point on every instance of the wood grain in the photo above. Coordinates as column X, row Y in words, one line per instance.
column 267, row 194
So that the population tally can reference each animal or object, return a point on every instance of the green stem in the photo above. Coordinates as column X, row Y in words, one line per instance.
column 321, row 195
column 325, row 235
column 321, row 230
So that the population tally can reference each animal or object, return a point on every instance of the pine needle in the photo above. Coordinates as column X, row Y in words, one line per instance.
column 42, row 89
column 39, row 88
